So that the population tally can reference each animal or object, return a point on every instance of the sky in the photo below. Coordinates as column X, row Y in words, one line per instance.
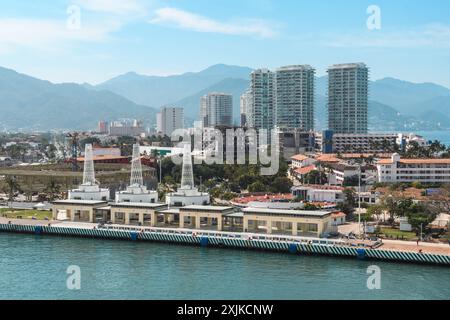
column 95, row 40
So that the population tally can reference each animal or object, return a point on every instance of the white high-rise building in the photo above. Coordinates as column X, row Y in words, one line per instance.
column 294, row 97
column 348, row 98
column 245, row 107
column 169, row 119
column 216, row 109
column 262, row 103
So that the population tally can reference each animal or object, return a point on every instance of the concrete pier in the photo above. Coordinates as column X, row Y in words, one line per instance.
column 239, row 240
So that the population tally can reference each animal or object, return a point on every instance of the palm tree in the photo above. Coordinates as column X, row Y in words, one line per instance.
column 52, row 189
column 11, row 187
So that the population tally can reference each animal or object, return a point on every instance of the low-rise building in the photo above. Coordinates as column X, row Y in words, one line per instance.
column 329, row 142
column 203, row 217
column 341, row 172
column 301, row 160
column 136, row 213
column 319, row 193
column 338, row 218
column 77, row 210
column 292, row 222
column 427, row 170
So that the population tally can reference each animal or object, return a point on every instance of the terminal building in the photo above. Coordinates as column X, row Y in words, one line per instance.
column 187, row 208
column 290, row 222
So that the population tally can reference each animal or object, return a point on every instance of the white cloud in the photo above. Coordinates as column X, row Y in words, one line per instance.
column 48, row 34
column 435, row 35
column 190, row 21
column 120, row 7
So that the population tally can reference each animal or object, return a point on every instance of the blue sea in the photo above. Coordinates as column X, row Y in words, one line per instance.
column 442, row 136
column 35, row 267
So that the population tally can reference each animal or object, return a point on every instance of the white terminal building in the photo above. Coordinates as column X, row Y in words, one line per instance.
column 136, row 191
column 187, row 194
column 89, row 189
column 428, row 170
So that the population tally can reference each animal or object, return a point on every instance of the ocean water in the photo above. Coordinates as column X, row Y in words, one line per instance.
column 442, row 136
column 34, row 267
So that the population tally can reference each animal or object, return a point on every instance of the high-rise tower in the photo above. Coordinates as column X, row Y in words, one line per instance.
column 348, row 98
column 294, row 97
column 216, row 109
column 262, row 104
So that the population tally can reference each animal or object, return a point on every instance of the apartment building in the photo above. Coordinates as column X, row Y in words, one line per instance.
column 348, row 98
column 397, row 169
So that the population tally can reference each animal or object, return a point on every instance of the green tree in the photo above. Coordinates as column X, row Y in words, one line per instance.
column 125, row 144
column 92, row 140
column 11, row 187
column 315, row 177
column 52, row 189
column 351, row 181
column 281, row 185
column 310, row 206
column 257, row 186
column 349, row 203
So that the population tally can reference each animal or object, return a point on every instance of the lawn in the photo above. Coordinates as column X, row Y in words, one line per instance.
column 25, row 214
column 394, row 233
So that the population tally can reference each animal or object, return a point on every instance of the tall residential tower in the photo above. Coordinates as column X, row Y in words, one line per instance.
column 216, row 109
column 348, row 98
column 169, row 119
column 262, row 103
column 294, row 97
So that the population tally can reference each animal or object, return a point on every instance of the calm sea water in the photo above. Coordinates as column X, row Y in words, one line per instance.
column 34, row 267
column 442, row 136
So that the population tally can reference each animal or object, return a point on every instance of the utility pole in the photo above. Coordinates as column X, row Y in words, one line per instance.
column 160, row 170
column 359, row 200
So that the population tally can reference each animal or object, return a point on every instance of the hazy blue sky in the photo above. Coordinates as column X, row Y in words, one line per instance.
column 159, row 37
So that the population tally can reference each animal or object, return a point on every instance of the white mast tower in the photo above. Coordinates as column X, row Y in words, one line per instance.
column 136, row 191
column 187, row 194
column 89, row 188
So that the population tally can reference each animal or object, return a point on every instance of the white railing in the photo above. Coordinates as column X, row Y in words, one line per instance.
column 227, row 234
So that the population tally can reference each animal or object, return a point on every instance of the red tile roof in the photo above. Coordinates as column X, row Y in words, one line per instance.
column 299, row 157
column 417, row 161
column 305, row 170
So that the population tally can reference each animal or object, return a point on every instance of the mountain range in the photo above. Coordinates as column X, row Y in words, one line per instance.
column 27, row 103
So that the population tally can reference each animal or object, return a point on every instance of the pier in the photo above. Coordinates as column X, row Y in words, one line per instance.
column 438, row 255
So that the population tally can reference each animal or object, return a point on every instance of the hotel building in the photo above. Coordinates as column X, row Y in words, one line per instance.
column 397, row 169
